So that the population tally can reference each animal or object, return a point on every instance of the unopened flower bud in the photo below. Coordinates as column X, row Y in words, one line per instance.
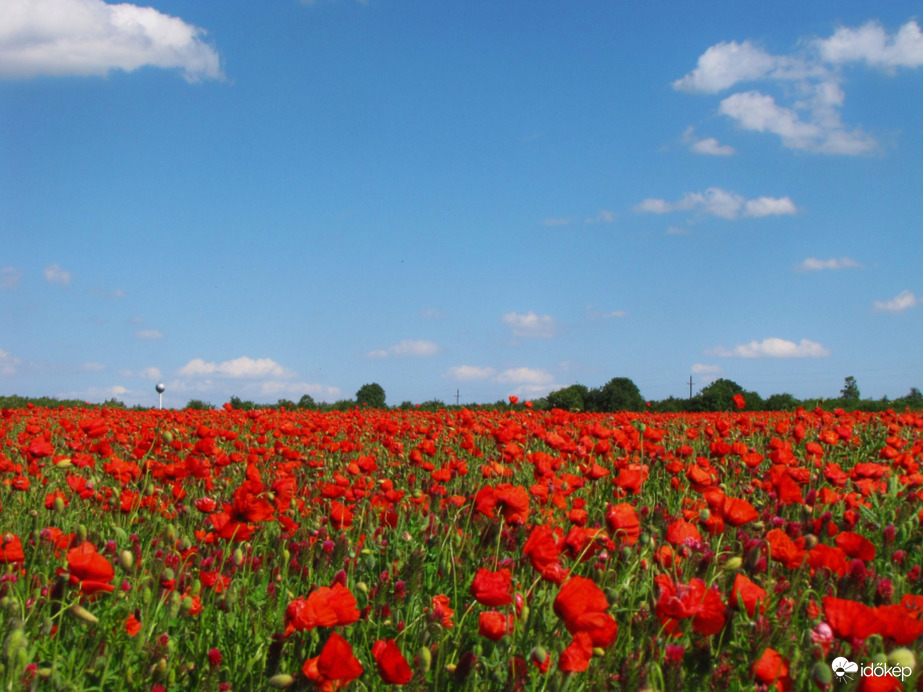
column 280, row 681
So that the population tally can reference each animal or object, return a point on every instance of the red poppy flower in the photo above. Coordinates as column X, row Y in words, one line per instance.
column 324, row 607
column 623, row 524
column 543, row 552
column 681, row 531
column 442, row 612
column 392, row 666
column 693, row 600
column 850, row 620
column 783, row 549
column 855, row 546
column 576, row 657
column 11, row 549
column 583, row 607
column 745, row 591
column 738, row 512
column 828, row 557
column 495, row 625
column 772, row 669
column 335, row 666
column 492, row 588
column 132, row 625
column 89, row 569
column 739, row 401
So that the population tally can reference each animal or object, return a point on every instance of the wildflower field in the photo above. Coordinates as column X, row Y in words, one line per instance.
column 465, row 549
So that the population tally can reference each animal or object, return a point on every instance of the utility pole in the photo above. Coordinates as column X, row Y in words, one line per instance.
column 690, row 386
column 456, row 397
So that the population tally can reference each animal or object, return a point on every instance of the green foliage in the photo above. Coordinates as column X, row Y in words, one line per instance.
column 307, row 401
column 781, row 402
column 850, row 391
column 718, row 396
column 371, row 395
column 198, row 405
column 571, row 398
column 618, row 394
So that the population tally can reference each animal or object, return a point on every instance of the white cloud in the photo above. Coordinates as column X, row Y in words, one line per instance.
column 677, row 230
column 92, row 367
column 709, row 146
column 149, row 334
column 593, row 314
column 91, row 37
column 9, row 277
column 531, row 325
column 724, row 65
column 9, row 365
column 407, row 347
column 717, row 202
column 431, row 314
column 525, row 376
column 702, row 369
column 811, row 78
column 470, row 372
column 814, row 264
column 236, row 368
column 55, row 275
column 871, row 44
column 902, row 301
column 773, row 348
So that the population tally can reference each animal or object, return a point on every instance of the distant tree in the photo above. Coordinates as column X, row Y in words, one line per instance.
column 371, row 395
column 781, row 402
column 237, row 403
column 306, row 401
column 850, row 391
column 618, row 394
column 287, row 404
column 198, row 405
column 571, row 398
column 914, row 399
column 718, row 396
column 432, row 405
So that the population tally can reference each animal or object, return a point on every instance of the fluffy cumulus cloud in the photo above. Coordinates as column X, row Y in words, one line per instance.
column 407, row 347
column 709, row 145
column 902, row 301
column 91, row 37
column 814, row 264
column 531, row 325
column 773, row 348
column 55, row 275
column 242, row 367
column 809, row 81
column 722, row 203
column 524, row 381
column 703, row 369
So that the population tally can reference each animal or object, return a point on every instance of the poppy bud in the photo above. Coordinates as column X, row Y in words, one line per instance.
column 704, row 514
column 167, row 436
column 902, row 657
column 280, row 681
column 733, row 564
column 539, row 654
column 810, row 541
column 59, row 504
column 15, row 640
column 63, row 463
column 81, row 533
column 171, row 533
column 424, row 659
column 159, row 669
column 126, row 560
column 821, row 674
column 82, row 613
column 238, row 557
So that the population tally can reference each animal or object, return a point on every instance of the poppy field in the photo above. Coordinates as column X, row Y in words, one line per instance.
column 476, row 549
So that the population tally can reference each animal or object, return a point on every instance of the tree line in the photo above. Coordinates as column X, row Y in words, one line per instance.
column 618, row 394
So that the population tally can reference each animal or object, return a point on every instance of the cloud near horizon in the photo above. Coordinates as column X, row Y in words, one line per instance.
column 243, row 367
column 64, row 38
column 773, row 348
column 407, row 347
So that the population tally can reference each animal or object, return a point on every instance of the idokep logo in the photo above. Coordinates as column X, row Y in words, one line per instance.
column 844, row 669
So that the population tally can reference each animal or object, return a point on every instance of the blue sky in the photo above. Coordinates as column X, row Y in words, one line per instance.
column 279, row 198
